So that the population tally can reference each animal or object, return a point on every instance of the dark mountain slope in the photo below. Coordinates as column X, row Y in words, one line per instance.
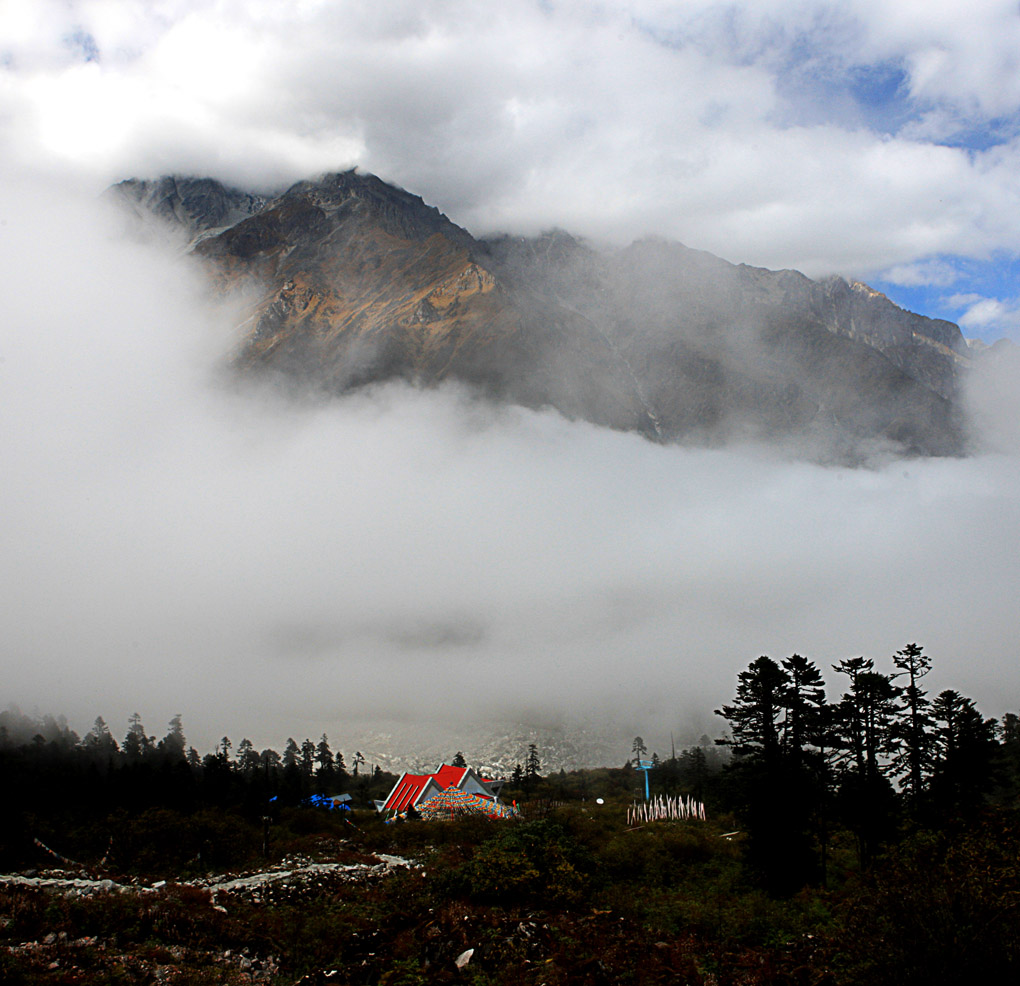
column 358, row 281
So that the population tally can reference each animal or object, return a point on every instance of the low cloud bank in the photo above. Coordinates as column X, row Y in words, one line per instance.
column 174, row 544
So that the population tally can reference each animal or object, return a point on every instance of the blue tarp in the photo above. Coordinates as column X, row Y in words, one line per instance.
column 331, row 802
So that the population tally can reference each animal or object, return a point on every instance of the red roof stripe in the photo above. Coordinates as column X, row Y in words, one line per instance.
column 410, row 787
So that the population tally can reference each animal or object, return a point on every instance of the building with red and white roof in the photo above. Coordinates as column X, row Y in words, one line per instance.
column 413, row 789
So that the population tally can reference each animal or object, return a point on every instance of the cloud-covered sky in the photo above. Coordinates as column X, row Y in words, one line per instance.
column 871, row 139
column 171, row 545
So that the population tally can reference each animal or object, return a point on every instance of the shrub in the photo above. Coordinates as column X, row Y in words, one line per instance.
column 537, row 861
column 943, row 908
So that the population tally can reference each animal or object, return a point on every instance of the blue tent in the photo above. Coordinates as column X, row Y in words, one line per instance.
column 331, row 802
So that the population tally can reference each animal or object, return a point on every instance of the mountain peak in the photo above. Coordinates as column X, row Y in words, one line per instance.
column 194, row 205
column 359, row 281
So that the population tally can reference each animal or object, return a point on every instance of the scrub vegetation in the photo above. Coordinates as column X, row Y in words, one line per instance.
column 871, row 839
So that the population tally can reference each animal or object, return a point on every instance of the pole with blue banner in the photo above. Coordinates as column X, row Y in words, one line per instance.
column 645, row 765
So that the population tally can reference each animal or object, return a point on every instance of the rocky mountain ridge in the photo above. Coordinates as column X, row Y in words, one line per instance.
column 358, row 281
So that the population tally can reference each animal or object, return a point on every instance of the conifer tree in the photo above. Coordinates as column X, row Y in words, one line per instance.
column 307, row 758
column 247, row 756
column 531, row 768
column 136, row 743
column 755, row 713
column 769, row 780
column 912, row 761
column 863, row 719
column 801, row 698
column 99, row 741
column 964, row 753
column 324, row 775
column 174, row 743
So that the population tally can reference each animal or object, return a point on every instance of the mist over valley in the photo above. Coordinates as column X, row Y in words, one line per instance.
column 188, row 533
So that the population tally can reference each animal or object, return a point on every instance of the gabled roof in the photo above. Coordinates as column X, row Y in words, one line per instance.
column 450, row 776
column 410, row 789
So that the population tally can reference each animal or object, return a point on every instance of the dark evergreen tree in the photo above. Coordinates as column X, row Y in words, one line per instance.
column 964, row 754
column 308, row 759
column 172, row 746
column 325, row 773
column 913, row 730
column 774, row 778
column 247, row 757
column 136, row 743
column 806, row 769
column 295, row 784
column 755, row 713
column 99, row 742
column 531, row 768
column 866, row 798
column 801, row 699
column 458, row 760
column 533, row 764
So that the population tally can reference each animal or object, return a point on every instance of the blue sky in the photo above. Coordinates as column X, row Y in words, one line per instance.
column 880, row 142
column 981, row 297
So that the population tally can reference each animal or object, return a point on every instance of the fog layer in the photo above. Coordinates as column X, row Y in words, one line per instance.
column 173, row 542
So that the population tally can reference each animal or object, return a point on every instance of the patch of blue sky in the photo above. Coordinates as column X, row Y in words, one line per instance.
column 82, row 44
column 982, row 296
column 822, row 89
column 877, row 97
column 985, row 135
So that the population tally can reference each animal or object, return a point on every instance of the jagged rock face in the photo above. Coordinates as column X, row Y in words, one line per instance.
column 363, row 282
column 723, row 351
column 359, row 281
column 193, row 205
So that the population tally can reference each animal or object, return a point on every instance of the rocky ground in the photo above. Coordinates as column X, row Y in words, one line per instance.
column 75, row 900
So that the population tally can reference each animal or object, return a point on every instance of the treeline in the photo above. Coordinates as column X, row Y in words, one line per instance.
column 53, row 735
column 60, row 786
column 883, row 760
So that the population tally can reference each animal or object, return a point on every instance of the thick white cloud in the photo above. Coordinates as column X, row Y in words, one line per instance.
column 732, row 127
column 172, row 545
